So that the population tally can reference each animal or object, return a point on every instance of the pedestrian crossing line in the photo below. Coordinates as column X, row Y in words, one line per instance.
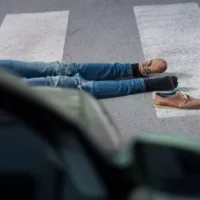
column 172, row 32
column 33, row 36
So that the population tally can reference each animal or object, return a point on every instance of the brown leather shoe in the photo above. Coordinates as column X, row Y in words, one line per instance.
column 153, row 66
column 177, row 100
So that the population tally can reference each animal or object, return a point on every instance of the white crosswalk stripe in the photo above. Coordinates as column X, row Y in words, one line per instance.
column 172, row 32
column 33, row 36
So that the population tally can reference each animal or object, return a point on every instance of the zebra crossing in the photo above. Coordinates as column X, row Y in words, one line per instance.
column 170, row 31
column 33, row 36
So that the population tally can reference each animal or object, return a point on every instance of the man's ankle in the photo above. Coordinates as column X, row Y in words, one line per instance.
column 161, row 84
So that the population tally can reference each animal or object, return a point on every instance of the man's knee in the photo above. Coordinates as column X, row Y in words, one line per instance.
column 87, row 86
column 72, row 69
column 69, row 82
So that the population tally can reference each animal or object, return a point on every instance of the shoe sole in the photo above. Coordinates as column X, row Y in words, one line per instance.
column 168, row 107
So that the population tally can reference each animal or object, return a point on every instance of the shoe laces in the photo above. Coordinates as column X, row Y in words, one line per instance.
column 145, row 70
column 183, row 95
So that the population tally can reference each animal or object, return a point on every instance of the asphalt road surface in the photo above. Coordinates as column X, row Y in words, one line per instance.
column 113, row 31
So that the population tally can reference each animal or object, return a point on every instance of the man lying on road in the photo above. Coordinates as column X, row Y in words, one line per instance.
column 104, row 80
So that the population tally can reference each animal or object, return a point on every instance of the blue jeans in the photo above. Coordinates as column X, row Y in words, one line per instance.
column 98, row 79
